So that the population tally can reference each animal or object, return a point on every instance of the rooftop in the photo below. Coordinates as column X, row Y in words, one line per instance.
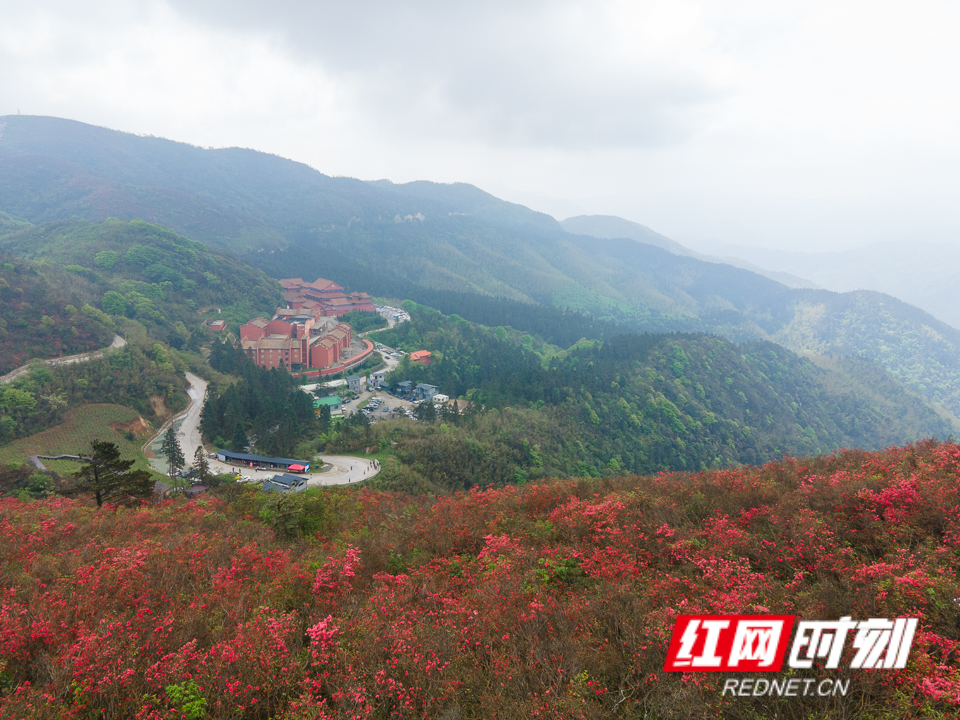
column 286, row 479
column 259, row 458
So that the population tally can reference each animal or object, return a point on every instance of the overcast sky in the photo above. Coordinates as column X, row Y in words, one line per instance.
column 792, row 124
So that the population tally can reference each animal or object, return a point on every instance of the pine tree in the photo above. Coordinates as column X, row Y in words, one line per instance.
column 108, row 477
column 200, row 465
column 239, row 438
column 425, row 412
column 170, row 449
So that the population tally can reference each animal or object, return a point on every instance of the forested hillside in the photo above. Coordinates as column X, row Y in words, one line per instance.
column 382, row 238
column 131, row 376
column 630, row 404
column 544, row 401
column 914, row 347
column 69, row 286
column 44, row 312
column 145, row 273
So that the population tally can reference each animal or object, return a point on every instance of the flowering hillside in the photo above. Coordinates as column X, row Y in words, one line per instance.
column 554, row 600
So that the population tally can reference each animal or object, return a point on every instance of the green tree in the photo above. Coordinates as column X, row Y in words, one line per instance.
column 39, row 485
column 200, row 465
column 15, row 399
column 105, row 259
column 170, row 449
column 425, row 412
column 240, row 441
column 114, row 303
column 109, row 477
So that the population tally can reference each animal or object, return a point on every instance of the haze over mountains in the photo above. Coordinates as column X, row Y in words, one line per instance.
column 610, row 226
column 388, row 238
column 921, row 273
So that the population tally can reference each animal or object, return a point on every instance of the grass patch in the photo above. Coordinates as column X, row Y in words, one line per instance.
column 81, row 426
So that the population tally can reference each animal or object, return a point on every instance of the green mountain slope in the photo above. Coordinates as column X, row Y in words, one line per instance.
column 44, row 314
column 633, row 403
column 67, row 287
column 140, row 272
column 379, row 237
column 640, row 403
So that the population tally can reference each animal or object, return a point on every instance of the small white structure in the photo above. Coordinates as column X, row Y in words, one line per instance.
column 440, row 398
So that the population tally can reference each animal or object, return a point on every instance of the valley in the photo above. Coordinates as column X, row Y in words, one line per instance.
column 532, row 445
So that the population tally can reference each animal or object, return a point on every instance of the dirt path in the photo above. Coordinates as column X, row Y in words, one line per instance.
column 69, row 360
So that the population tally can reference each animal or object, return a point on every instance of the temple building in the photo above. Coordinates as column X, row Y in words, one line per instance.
column 297, row 340
column 324, row 296
column 305, row 334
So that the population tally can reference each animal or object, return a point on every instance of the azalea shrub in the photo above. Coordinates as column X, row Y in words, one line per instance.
column 552, row 600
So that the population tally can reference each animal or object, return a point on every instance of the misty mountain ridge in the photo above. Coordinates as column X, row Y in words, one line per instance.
column 611, row 226
column 921, row 273
column 696, row 400
column 289, row 219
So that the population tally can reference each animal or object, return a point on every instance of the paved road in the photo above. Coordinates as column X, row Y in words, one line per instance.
column 69, row 360
column 345, row 469
column 187, row 425
column 189, row 433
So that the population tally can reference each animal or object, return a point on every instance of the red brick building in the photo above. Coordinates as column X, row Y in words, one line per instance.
column 304, row 334
column 324, row 296
column 296, row 340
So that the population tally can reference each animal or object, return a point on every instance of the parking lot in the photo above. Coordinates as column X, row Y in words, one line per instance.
column 379, row 405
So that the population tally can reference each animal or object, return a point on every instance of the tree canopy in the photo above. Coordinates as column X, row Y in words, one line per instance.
column 109, row 477
column 171, row 450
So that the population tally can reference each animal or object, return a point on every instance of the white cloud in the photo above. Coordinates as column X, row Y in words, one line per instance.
column 789, row 122
column 142, row 68
column 563, row 74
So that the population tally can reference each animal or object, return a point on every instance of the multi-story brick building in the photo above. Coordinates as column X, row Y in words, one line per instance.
column 324, row 296
column 297, row 340
column 305, row 334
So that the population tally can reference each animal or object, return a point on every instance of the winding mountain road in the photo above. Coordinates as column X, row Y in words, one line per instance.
column 69, row 360
column 344, row 470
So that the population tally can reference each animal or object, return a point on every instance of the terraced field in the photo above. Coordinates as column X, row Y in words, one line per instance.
column 81, row 426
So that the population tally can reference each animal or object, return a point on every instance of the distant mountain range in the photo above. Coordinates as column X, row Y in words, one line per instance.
column 923, row 274
column 610, row 226
column 289, row 219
